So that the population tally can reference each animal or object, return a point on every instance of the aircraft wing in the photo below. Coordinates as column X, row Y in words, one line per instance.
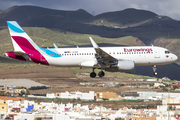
column 101, row 56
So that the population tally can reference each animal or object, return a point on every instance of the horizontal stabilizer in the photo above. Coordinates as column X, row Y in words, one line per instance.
column 19, row 53
column 16, row 53
column 55, row 45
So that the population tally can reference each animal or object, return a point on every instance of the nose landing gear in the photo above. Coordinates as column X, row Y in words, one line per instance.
column 154, row 69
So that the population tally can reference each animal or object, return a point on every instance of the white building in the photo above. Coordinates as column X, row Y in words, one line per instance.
column 50, row 95
column 77, row 95
column 158, row 84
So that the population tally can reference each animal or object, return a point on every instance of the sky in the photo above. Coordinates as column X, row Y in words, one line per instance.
column 169, row 8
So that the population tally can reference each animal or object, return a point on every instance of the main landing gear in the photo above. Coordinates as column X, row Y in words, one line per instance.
column 154, row 69
column 100, row 74
column 93, row 74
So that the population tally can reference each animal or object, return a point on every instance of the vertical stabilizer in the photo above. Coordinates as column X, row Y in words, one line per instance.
column 24, row 46
column 21, row 41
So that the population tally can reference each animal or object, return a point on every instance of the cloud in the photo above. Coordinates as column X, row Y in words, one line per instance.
column 162, row 7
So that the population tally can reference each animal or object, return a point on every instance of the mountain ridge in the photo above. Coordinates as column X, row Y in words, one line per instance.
column 126, row 16
column 29, row 12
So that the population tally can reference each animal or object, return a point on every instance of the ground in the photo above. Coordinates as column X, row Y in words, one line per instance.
column 60, row 79
column 63, row 79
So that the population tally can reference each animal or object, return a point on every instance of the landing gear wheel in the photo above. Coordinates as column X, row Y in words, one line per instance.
column 93, row 75
column 101, row 74
column 155, row 73
column 154, row 69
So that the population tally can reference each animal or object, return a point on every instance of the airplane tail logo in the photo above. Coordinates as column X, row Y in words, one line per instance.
column 24, row 47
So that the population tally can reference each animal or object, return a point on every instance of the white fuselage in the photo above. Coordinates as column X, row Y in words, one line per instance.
column 142, row 56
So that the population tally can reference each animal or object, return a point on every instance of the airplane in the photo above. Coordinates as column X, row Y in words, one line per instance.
column 112, row 59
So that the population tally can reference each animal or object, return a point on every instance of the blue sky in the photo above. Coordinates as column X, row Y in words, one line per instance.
column 169, row 8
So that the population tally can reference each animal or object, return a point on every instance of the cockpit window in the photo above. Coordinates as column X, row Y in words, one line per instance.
column 167, row 52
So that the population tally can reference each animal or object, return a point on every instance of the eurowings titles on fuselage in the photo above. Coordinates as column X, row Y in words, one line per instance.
column 112, row 59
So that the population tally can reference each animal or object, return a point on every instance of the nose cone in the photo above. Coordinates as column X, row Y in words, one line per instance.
column 175, row 58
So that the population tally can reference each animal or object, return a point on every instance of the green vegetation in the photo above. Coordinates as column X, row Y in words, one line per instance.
column 119, row 85
column 122, row 100
column 175, row 87
column 7, row 118
column 171, row 108
column 20, row 87
column 39, row 118
column 3, row 94
column 38, row 87
column 165, row 89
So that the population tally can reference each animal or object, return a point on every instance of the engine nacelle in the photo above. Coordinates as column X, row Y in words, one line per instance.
column 125, row 65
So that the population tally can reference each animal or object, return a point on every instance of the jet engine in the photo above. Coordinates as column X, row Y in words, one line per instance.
column 125, row 65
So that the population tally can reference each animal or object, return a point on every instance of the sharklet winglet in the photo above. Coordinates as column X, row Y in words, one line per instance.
column 93, row 43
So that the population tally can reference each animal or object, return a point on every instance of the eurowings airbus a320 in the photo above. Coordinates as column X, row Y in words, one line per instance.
column 112, row 59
